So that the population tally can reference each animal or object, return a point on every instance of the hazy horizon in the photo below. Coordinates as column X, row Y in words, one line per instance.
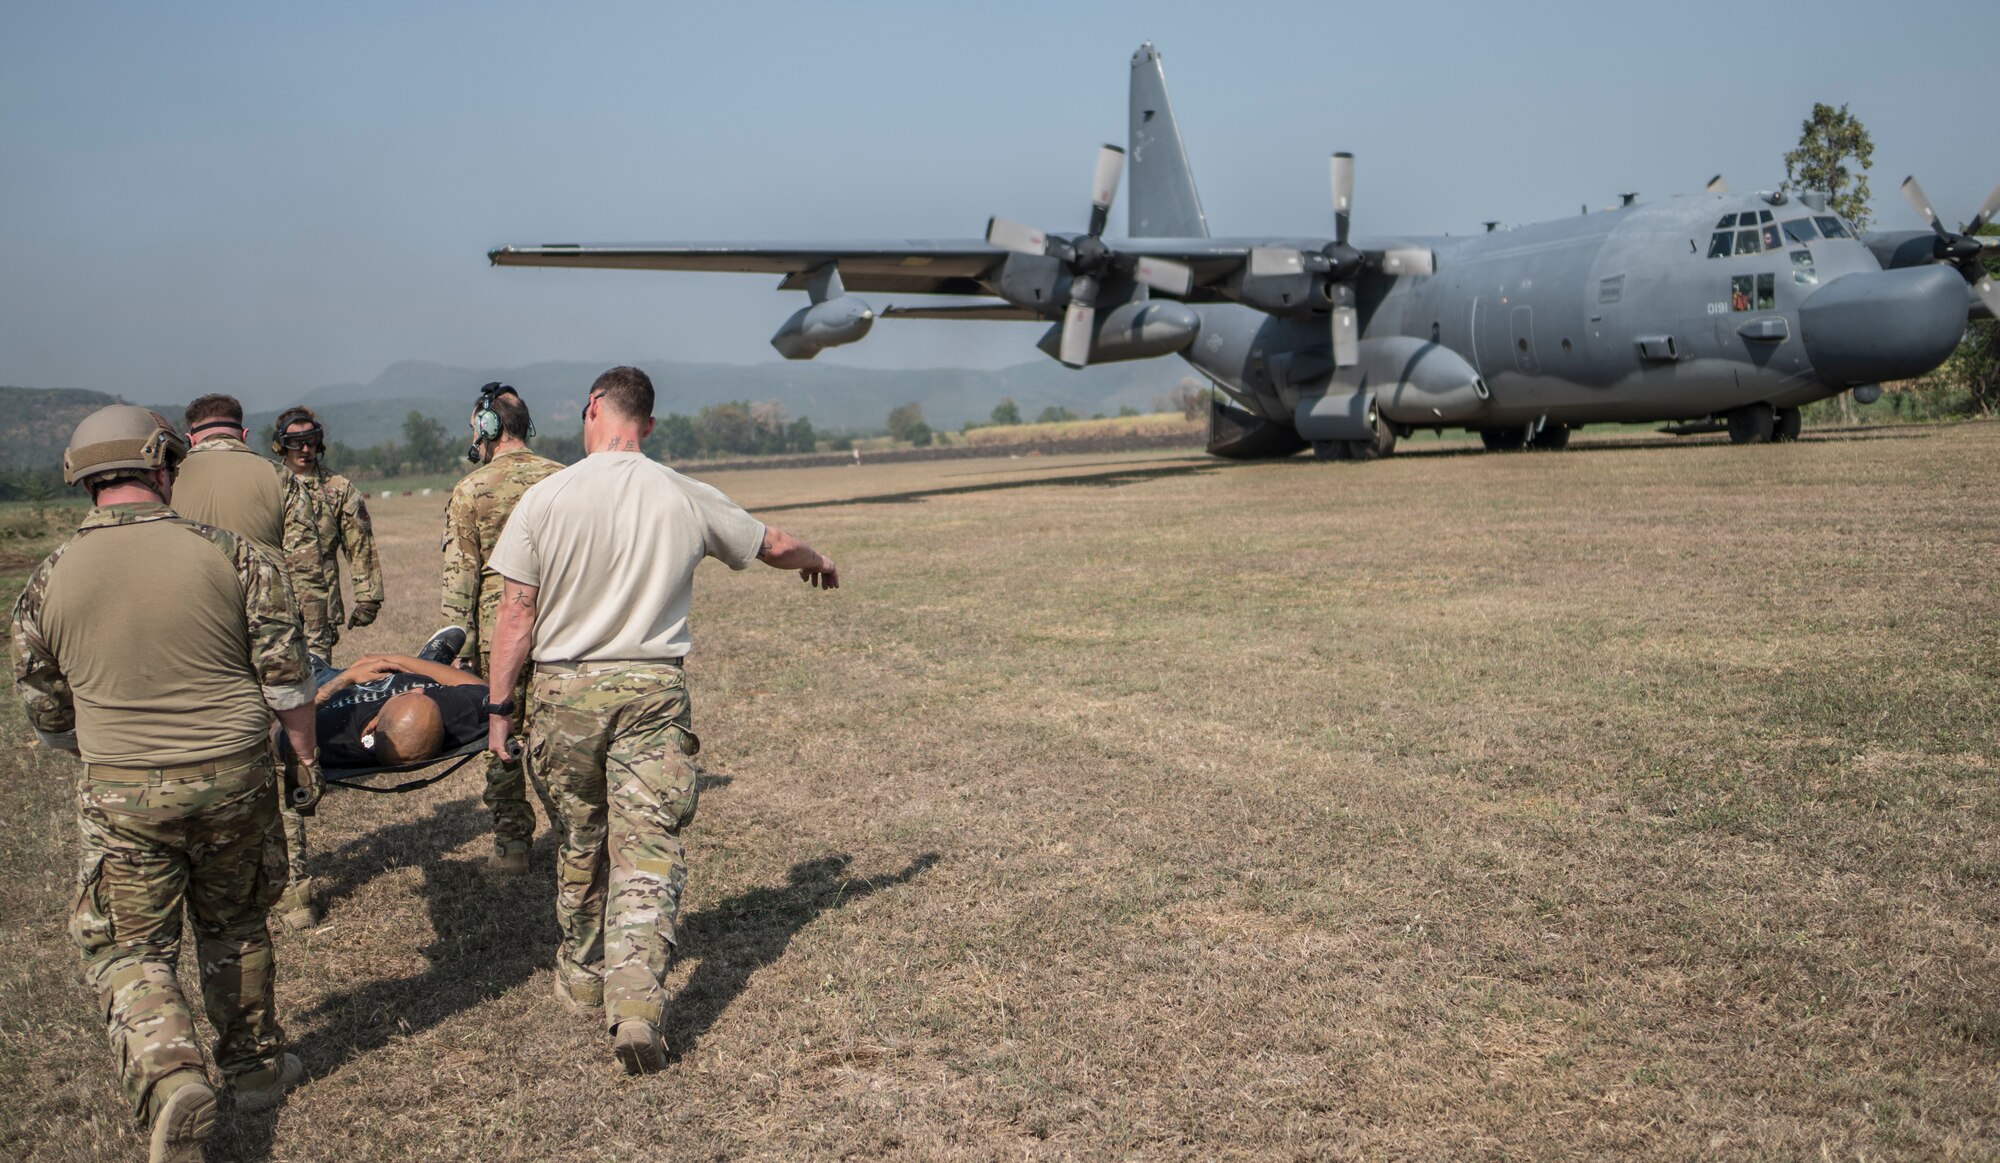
column 269, row 200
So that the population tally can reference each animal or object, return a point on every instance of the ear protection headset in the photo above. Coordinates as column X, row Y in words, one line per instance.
column 486, row 424
column 282, row 440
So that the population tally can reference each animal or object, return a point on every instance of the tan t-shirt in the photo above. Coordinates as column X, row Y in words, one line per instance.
column 613, row 541
column 169, row 642
column 224, row 484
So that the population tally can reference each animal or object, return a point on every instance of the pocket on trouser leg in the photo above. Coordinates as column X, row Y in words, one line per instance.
column 89, row 919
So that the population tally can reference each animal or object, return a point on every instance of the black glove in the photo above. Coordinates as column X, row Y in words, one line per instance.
column 364, row 614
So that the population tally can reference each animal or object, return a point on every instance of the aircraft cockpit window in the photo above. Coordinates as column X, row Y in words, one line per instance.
column 1800, row 230
column 1832, row 227
column 1719, row 244
column 1763, row 215
column 1746, row 241
column 1740, row 289
column 1802, row 269
column 1767, row 292
column 1728, row 220
column 1771, row 238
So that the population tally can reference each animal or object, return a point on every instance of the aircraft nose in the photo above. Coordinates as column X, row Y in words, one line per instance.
column 1871, row 326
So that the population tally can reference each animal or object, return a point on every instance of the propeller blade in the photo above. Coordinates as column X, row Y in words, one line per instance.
column 1989, row 294
column 1016, row 237
column 1987, row 210
column 1346, row 340
column 1164, row 275
column 1077, row 321
column 1917, row 198
column 1716, row 185
column 1276, row 260
column 1408, row 260
column 1343, row 194
column 1110, row 168
column 1104, row 187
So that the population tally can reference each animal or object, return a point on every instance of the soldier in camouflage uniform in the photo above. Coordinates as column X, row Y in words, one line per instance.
column 152, row 647
column 324, row 517
column 599, row 562
column 473, row 519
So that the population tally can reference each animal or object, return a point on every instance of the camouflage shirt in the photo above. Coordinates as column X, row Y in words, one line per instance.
column 472, row 522
column 325, row 517
column 150, row 640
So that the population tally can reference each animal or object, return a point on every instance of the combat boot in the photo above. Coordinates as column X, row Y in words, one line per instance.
column 639, row 1046
column 582, row 997
column 507, row 863
column 260, row 1090
column 294, row 909
column 183, row 1115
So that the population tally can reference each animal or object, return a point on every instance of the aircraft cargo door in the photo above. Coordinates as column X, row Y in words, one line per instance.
column 1524, row 340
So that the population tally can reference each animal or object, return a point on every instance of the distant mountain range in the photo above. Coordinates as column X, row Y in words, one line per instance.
column 833, row 397
column 35, row 423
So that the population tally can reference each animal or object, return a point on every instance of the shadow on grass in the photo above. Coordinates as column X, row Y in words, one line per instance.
column 734, row 938
column 1115, row 478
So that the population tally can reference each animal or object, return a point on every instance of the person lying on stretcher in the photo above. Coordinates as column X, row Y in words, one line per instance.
column 393, row 710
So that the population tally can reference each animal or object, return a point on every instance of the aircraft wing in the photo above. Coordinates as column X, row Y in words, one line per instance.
column 911, row 266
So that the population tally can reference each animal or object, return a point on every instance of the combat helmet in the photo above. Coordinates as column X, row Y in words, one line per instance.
column 122, row 437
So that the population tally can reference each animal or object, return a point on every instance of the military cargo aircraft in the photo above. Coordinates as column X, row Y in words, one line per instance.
column 1711, row 310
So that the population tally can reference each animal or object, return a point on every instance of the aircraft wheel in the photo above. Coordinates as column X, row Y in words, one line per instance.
column 1504, row 439
column 1751, row 424
column 1551, row 438
column 1382, row 444
column 1786, row 427
column 1331, row 449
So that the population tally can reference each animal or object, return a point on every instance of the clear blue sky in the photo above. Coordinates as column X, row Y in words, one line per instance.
column 265, row 198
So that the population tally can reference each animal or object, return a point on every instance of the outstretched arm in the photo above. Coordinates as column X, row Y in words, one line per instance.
column 781, row 550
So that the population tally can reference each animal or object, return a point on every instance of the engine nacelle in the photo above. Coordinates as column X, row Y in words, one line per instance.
column 1138, row 330
column 813, row 329
column 1420, row 383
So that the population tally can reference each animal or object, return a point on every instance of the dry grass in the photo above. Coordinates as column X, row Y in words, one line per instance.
column 1111, row 427
column 1638, row 799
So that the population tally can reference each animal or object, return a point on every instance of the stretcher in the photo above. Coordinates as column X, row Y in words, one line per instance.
column 354, row 777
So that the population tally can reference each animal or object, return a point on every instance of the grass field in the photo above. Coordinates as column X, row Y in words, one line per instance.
column 1637, row 799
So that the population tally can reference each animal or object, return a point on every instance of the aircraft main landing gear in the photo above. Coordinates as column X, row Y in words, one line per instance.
column 1751, row 424
column 1504, row 439
column 1381, row 444
column 1786, row 426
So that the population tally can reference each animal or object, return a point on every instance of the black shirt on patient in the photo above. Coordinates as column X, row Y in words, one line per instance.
column 341, row 719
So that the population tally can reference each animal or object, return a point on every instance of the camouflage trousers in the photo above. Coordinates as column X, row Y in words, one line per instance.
column 506, row 793
column 614, row 745
column 320, row 614
column 151, row 841
column 290, row 842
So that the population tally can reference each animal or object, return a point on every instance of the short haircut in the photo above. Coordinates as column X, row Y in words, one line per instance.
column 628, row 390
column 215, row 406
column 513, row 415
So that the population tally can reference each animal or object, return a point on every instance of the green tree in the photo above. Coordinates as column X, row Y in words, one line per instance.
column 1054, row 415
column 423, row 443
column 676, row 438
column 727, row 428
column 1006, row 411
column 904, row 419
column 1826, row 141
column 800, row 437
column 919, row 435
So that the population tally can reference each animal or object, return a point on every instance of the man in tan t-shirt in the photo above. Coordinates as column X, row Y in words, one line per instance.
column 226, row 484
column 156, row 649
column 598, row 562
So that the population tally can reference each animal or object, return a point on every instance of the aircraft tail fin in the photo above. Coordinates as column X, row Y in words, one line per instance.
column 1163, row 203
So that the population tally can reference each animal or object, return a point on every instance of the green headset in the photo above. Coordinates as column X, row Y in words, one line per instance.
column 486, row 423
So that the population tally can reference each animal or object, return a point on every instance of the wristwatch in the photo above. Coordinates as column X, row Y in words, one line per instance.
column 492, row 708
